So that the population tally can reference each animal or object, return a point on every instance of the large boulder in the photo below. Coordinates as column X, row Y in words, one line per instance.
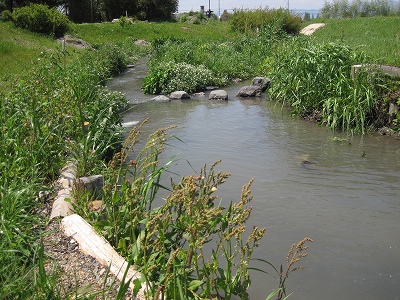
column 218, row 95
column 250, row 91
column 263, row 82
column 179, row 95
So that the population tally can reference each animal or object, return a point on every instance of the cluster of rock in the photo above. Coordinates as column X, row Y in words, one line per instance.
column 258, row 86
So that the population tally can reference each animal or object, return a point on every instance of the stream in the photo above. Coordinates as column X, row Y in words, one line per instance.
column 343, row 192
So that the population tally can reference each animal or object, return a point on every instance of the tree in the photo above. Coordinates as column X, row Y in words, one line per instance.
column 156, row 9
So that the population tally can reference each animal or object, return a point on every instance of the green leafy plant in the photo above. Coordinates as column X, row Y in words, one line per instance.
column 42, row 123
column 39, row 18
column 171, row 76
column 316, row 79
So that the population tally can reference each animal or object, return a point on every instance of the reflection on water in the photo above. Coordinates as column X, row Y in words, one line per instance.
column 349, row 203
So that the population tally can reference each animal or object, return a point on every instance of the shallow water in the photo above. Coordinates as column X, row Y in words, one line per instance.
column 347, row 199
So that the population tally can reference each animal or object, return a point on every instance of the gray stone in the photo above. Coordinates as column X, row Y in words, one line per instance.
column 179, row 95
column 263, row 82
column 93, row 183
column 142, row 43
column 250, row 91
column 74, row 42
column 161, row 98
column 393, row 108
column 218, row 95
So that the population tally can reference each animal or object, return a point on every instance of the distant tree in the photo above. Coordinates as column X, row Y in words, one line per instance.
column 80, row 11
column 156, row 9
column 358, row 8
column 225, row 16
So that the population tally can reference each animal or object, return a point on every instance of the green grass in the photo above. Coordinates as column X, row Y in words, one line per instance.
column 108, row 32
column 378, row 37
column 19, row 48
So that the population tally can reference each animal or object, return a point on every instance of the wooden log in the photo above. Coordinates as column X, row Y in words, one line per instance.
column 90, row 243
column 62, row 205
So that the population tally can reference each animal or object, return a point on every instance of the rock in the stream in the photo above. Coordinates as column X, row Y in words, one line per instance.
column 179, row 95
column 250, row 91
column 218, row 95
column 161, row 98
column 263, row 82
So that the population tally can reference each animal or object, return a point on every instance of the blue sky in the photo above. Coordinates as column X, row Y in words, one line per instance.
column 187, row 5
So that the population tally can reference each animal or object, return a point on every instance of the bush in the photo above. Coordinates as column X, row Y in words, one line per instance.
column 41, row 19
column 247, row 20
column 171, row 76
column 6, row 15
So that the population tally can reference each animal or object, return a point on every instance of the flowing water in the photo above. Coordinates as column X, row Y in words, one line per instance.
column 347, row 199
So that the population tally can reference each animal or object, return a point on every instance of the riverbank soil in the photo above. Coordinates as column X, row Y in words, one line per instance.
column 78, row 275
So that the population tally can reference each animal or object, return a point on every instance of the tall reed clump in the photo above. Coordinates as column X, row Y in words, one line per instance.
column 53, row 113
column 315, row 79
column 188, row 246
column 254, row 20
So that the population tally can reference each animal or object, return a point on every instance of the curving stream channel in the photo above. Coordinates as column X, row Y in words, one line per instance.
column 347, row 198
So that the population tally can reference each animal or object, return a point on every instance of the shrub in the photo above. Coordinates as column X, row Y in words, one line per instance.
column 6, row 15
column 247, row 20
column 41, row 19
column 171, row 76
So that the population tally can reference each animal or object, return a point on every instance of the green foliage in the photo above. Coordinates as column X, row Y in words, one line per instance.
column 225, row 17
column 170, row 76
column 193, row 18
column 315, row 78
column 6, row 15
column 160, row 10
column 226, row 61
column 39, row 18
column 377, row 37
column 43, row 121
column 252, row 20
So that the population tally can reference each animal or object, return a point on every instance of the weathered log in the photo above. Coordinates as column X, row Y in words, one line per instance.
column 63, row 202
column 90, row 243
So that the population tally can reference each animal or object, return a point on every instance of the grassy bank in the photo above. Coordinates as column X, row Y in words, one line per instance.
column 51, row 114
column 378, row 37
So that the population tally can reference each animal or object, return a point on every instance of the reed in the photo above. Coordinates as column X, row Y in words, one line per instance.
column 315, row 79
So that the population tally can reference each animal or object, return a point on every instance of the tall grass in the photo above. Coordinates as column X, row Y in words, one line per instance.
column 315, row 79
column 42, row 120
column 253, row 20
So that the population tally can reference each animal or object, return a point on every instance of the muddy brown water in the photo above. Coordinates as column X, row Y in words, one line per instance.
column 346, row 196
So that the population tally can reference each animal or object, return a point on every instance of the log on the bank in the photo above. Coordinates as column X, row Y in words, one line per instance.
column 63, row 203
column 90, row 243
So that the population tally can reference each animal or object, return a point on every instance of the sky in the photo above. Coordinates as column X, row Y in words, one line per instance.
column 221, row 5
